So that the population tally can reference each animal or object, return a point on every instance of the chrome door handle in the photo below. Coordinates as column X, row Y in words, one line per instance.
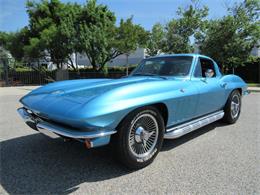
column 223, row 85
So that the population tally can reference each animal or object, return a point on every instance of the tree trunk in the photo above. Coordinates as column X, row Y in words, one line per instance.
column 75, row 68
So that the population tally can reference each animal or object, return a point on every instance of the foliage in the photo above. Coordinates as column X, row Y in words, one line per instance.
column 180, row 31
column 229, row 40
column 96, row 32
column 129, row 37
column 14, row 42
column 3, row 38
column 101, row 40
column 22, row 68
column 156, row 38
column 51, row 24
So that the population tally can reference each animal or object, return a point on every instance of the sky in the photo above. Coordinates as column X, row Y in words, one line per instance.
column 13, row 14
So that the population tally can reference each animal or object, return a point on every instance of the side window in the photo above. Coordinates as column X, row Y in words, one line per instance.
column 207, row 68
column 198, row 72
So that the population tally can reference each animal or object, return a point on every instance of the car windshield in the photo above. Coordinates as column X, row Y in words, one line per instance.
column 164, row 66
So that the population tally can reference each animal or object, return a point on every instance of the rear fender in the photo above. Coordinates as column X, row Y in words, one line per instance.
column 233, row 82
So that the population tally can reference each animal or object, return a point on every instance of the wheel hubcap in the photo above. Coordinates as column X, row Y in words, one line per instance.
column 143, row 135
column 235, row 106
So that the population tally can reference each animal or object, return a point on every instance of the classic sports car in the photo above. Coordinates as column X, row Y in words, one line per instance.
column 165, row 97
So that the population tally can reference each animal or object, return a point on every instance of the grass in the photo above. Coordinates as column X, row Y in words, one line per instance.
column 253, row 84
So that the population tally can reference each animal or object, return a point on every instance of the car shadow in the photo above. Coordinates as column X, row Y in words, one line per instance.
column 35, row 164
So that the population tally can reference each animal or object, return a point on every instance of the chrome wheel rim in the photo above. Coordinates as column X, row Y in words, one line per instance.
column 143, row 135
column 235, row 106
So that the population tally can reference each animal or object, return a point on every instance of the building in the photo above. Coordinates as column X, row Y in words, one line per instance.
column 256, row 51
column 82, row 60
column 134, row 58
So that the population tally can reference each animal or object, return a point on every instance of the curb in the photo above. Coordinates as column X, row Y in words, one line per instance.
column 254, row 91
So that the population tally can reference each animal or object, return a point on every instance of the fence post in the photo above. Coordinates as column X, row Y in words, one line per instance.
column 127, row 56
column 258, row 73
column 62, row 75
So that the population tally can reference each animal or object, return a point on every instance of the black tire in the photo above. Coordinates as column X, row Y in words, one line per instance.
column 232, row 113
column 136, row 121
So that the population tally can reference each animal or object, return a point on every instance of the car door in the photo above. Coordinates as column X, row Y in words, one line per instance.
column 211, row 92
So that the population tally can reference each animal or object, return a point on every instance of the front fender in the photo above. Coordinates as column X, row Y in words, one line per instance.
column 108, row 109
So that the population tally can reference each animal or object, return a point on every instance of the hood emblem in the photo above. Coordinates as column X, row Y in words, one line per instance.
column 57, row 92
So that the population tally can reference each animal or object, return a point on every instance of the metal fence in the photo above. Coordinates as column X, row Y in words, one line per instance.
column 16, row 78
column 13, row 73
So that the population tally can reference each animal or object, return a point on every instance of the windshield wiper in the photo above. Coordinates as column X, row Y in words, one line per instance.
column 149, row 74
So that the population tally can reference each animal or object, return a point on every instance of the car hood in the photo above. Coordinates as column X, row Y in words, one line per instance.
column 79, row 91
column 60, row 97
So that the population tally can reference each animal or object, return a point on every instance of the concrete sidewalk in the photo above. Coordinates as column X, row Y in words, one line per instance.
column 254, row 89
column 16, row 90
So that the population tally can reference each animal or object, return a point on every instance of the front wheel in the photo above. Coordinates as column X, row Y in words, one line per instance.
column 140, row 137
column 233, row 107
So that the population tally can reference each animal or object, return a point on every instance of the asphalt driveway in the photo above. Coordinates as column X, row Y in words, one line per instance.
column 217, row 159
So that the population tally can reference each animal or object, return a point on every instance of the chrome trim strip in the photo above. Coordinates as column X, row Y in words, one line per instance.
column 188, row 127
column 25, row 115
column 71, row 133
column 44, row 126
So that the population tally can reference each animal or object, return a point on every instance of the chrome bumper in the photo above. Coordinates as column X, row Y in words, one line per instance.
column 96, row 138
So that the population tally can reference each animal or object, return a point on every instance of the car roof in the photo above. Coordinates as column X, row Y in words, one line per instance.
column 181, row 54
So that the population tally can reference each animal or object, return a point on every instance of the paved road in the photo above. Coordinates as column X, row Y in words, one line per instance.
column 217, row 159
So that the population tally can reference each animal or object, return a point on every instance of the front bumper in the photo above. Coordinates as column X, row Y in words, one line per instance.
column 91, row 138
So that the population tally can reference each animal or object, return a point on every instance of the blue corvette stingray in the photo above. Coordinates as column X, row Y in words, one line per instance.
column 165, row 97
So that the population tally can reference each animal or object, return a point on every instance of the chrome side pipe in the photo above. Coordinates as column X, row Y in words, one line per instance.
column 185, row 128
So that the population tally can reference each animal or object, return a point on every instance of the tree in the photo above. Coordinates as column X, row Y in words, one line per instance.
column 180, row 31
column 96, row 32
column 3, row 42
column 156, row 40
column 3, row 38
column 15, row 42
column 129, row 37
column 230, row 39
column 51, row 24
column 101, row 40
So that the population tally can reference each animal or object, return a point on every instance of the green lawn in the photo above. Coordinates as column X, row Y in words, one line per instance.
column 253, row 84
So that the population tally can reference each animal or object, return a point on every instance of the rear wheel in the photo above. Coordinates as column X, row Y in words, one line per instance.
column 140, row 137
column 233, row 107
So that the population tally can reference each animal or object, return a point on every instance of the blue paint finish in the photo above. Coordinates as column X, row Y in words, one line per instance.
column 100, row 104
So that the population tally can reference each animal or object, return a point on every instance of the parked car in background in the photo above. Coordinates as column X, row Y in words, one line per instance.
column 165, row 97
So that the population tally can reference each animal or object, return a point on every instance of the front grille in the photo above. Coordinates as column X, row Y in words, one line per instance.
column 39, row 117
